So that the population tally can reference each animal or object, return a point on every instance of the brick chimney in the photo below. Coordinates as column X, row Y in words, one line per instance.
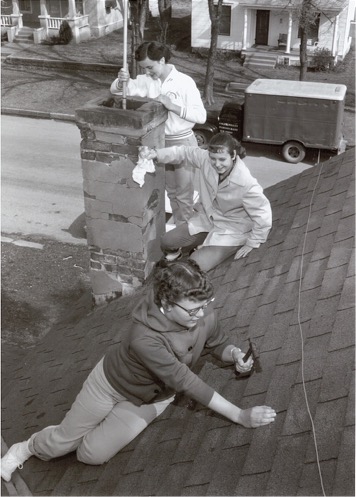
column 124, row 221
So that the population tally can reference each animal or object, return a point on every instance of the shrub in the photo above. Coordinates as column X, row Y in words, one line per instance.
column 65, row 35
column 322, row 59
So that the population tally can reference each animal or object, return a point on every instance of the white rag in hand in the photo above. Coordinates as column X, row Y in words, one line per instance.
column 143, row 166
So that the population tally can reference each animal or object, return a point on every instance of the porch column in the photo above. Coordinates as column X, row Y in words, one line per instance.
column 16, row 19
column 335, row 34
column 289, row 34
column 15, row 7
column 43, row 7
column 71, row 9
column 244, row 36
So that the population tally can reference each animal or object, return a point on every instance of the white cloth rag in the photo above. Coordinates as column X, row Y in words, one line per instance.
column 143, row 166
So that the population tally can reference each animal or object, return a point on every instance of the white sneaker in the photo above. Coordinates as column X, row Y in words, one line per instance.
column 173, row 256
column 14, row 458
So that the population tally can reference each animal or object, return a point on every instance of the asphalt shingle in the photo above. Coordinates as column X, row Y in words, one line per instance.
column 194, row 452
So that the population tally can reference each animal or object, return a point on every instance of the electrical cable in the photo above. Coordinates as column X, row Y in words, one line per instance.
column 301, row 332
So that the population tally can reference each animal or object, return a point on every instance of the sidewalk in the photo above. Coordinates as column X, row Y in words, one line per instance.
column 45, row 57
column 105, row 50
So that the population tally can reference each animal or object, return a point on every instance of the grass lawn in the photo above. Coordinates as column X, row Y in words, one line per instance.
column 228, row 66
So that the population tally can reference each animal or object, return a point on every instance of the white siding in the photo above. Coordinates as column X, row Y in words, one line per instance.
column 200, row 30
column 200, row 24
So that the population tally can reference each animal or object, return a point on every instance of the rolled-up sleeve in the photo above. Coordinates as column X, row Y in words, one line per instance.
column 218, row 340
column 138, row 87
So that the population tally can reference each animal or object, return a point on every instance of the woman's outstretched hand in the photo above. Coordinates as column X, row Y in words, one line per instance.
column 256, row 416
column 147, row 153
column 242, row 252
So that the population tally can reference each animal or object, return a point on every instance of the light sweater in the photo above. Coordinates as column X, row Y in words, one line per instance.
column 182, row 91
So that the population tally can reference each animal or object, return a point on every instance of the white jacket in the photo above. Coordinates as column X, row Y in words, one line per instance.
column 181, row 89
column 235, row 212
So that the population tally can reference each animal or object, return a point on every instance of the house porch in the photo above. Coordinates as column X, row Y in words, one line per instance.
column 268, row 27
column 43, row 25
column 270, row 56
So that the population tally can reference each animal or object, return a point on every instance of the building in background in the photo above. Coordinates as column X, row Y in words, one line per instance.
column 42, row 18
column 271, row 26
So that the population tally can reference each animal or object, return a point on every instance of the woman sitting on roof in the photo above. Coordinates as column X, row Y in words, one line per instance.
column 137, row 379
column 232, row 216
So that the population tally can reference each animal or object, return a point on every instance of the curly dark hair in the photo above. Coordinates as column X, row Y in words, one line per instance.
column 176, row 280
column 225, row 141
column 153, row 50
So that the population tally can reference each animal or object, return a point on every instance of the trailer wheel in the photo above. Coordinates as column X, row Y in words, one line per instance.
column 202, row 137
column 293, row 152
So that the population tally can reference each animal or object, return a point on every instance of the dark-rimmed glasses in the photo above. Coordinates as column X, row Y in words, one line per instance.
column 194, row 312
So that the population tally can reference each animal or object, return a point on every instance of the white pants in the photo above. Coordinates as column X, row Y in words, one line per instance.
column 98, row 425
column 180, row 180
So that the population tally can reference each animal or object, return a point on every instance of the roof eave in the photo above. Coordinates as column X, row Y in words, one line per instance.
column 322, row 6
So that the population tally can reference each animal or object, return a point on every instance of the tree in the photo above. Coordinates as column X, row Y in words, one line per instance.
column 307, row 17
column 165, row 15
column 138, row 15
column 214, row 13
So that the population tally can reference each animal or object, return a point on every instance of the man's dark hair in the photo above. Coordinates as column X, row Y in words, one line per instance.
column 153, row 50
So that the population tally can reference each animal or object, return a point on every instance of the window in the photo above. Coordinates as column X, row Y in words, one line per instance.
column 313, row 31
column 54, row 8
column 6, row 7
column 25, row 6
column 225, row 20
column 110, row 4
column 79, row 6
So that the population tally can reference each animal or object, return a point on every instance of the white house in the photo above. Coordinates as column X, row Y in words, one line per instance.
column 272, row 25
column 44, row 17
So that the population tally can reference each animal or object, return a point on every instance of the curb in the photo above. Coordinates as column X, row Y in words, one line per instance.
column 37, row 114
column 68, row 65
column 57, row 116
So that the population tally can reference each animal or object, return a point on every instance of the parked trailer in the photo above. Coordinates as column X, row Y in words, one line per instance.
column 294, row 114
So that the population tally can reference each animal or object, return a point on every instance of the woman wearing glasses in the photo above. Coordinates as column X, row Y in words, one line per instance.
column 137, row 379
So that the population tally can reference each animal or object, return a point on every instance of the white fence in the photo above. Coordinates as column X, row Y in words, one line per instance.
column 78, row 22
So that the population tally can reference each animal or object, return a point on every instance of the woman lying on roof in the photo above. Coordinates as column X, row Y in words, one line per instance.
column 137, row 379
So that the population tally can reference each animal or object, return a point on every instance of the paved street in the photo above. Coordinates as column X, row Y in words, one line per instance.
column 267, row 165
column 42, row 192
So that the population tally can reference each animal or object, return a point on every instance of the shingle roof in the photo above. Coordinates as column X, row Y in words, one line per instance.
column 195, row 452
